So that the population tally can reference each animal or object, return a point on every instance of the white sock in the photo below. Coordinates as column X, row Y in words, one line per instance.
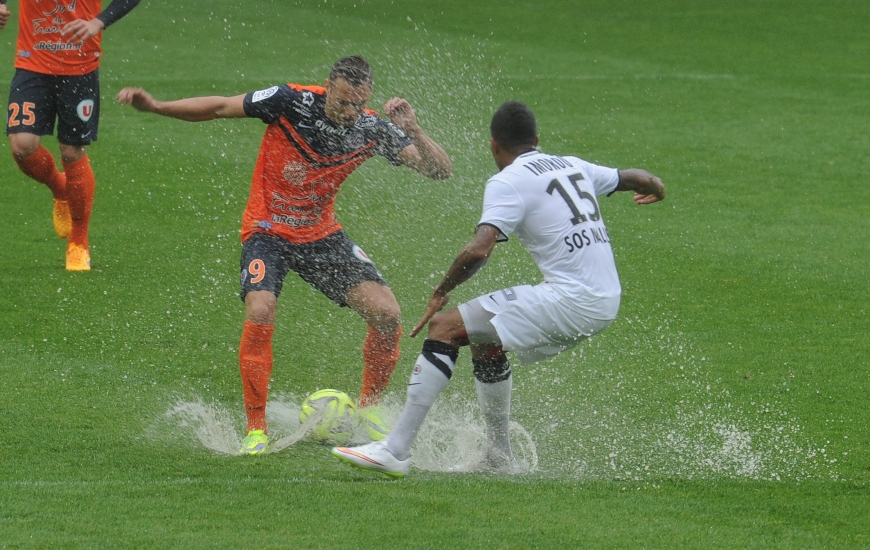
column 495, row 404
column 431, row 374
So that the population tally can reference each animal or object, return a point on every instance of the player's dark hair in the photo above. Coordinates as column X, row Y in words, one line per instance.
column 513, row 126
column 353, row 68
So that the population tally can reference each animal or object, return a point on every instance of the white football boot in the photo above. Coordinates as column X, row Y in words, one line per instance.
column 374, row 456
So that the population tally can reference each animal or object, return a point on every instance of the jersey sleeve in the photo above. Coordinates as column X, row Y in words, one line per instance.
column 115, row 11
column 503, row 208
column 269, row 104
column 603, row 179
column 391, row 141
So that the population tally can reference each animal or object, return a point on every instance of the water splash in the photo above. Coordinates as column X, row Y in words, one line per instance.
column 452, row 439
column 665, row 416
column 215, row 426
column 586, row 423
column 211, row 425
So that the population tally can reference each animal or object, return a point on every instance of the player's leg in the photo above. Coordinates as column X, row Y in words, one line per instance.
column 492, row 380
column 31, row 114
column 377, row 305
column 78, row 121
column 339, row 269
column 262, row 276
column 36, row 162
column 255, row 356
column 431, row 374
column 80, row 197
column 449, row 330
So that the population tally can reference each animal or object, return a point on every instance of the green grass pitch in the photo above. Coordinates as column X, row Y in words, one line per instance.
column 726, row 408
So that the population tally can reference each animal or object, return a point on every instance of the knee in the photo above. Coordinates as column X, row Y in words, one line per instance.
column 492, row 366
column 260, row 308
column 72, row 153
column 21, row 149
column 387, row 319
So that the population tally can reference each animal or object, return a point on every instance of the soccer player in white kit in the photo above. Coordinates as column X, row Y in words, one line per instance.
column 550, row 204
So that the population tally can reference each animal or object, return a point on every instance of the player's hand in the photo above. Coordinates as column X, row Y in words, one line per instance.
column 80, row 30
column 138, row 98
column 436, row 304
column 401, row 114
column 4, row 15
column 654, row 191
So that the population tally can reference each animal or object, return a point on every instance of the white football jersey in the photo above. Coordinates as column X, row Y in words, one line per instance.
column 550, row 203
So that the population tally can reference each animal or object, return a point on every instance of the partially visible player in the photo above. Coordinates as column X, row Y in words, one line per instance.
column 57, row 77
column 316, row 136
column 549, row 202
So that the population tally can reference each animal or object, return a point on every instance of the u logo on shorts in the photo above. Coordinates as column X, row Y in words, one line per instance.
column 85, row 109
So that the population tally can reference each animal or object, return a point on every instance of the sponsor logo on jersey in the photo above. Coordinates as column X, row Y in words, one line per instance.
column 329, row 129
column 586, row 237
column 260, row 95
column 303, row 111
column 85, row 109
column 59, row 8
column 307, row 98
column 263, row 224
column 244, row 276
column 57, row 46
column 287, row 205
column 358, row 252
column 24, row 53
column 293, row 221
column 48, row 29
column 509, row 294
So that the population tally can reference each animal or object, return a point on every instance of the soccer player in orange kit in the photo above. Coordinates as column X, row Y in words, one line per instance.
column 316, row 136
column 57, row 77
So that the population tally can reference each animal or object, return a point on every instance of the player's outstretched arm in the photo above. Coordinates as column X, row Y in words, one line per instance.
column 647, row 187
column 467, row 263
column 424, row 156
column 194, row 109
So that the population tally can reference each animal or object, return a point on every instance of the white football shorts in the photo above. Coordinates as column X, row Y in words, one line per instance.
column 534, row 322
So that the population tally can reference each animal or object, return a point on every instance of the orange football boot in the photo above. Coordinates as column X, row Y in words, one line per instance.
column 77, row 258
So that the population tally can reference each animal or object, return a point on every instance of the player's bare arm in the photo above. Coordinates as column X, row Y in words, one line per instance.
column 467, row 263
column 424, row 155
column 647, row 187
column 4, row 15
column 194, row 109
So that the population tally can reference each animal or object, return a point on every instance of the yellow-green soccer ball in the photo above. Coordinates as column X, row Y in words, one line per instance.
column 335, row 414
